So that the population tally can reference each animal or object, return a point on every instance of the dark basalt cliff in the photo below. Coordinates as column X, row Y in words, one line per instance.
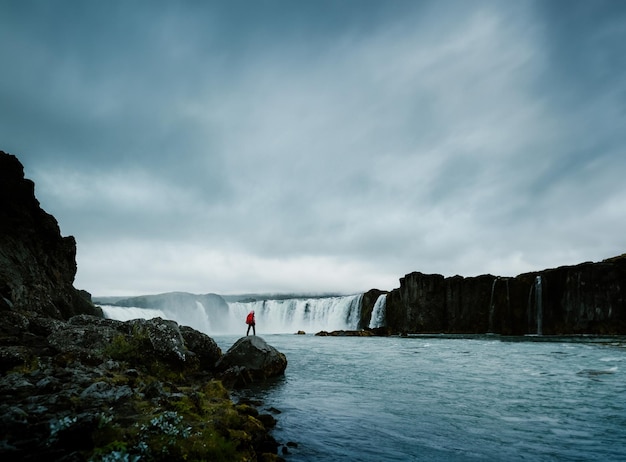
column 37, row 264
column 588, row 298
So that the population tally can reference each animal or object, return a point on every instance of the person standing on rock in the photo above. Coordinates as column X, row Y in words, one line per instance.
column 251, row 323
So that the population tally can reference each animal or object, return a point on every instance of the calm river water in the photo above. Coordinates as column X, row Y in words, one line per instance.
column 430, row 398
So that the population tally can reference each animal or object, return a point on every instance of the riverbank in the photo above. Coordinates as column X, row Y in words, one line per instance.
column 97, row 389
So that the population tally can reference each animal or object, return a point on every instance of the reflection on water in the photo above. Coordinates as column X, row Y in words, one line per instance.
column 449, row 398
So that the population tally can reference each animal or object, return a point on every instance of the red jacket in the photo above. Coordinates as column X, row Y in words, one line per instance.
column 250, row 318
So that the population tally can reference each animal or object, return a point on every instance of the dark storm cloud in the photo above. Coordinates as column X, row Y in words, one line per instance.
column 330, row 146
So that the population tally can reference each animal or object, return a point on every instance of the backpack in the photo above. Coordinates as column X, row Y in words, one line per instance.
column 250, row 318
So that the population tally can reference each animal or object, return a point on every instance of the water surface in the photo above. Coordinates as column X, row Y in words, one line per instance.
column 436, row 398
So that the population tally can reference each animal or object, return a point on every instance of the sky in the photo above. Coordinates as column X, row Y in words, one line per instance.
column 318, row 146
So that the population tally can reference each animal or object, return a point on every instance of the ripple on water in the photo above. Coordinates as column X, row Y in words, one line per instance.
column 371, row 399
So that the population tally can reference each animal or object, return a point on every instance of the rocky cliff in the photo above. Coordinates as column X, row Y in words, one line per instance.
column 37, row 264
column 588, row 298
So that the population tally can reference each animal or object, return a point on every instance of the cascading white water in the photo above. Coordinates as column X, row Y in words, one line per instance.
column 536, row 288
column 379, row 312
column 491, row 304
column 272, row 316
column 123, row 313
column 539, row 302
column 298, row 314
column 197, row 318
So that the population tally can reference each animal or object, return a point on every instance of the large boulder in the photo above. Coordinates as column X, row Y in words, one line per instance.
column 251, row 359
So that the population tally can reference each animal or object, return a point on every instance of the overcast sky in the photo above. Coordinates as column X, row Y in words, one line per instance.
column 318, row 146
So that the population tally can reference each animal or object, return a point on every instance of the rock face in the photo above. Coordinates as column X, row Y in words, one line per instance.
column 37, row 264
column 589, row 298
column 250, row 360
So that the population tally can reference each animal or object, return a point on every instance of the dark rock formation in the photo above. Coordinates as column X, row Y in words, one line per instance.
column 37, row 265
column 96, row 389
column 345, row 333
column 588, row 298
column 251, row 360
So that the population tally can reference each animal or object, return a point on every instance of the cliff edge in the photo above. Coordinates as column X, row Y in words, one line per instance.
column 37, row 264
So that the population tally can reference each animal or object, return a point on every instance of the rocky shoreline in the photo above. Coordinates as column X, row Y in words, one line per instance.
column 75, row 386
column 98, row 389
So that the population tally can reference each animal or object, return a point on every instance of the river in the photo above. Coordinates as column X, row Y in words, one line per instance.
column 447, row 398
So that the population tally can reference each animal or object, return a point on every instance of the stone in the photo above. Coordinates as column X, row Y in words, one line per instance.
column 203, row 347
column 251, row 359
column 164, row 337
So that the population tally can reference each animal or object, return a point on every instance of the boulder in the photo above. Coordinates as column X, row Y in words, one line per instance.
column 250, row 360
column 202, row 346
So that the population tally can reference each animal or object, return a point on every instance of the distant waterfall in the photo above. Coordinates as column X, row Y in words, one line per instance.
column 492, row 306
column 537, row 290
column 291, row 315
column 539, row 304
column 379, row 312
column 492, row 301
column 272, row 316
column 198, row 317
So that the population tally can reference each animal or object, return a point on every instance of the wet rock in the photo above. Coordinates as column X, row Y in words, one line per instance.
column 345, row 333
column 164, row 337
column 202, row 346
column 251, row 360
column 106, row 392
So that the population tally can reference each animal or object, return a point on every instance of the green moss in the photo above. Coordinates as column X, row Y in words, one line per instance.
column 195, row 424
column 130, row 349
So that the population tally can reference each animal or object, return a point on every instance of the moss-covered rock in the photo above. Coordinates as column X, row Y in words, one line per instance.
column 128, row 397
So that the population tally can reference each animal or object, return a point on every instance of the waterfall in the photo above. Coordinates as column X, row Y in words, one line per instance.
column 122, row 313
column 378, row 312
column 539, row 305
column 295, row 314
column 272, row 316
column 536, row 289
column 491, row 304
column 492, row 300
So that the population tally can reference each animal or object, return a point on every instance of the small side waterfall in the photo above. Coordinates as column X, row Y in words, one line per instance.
column 536, row 289
column 492, row 301
column 378, row 312
column 539, row 304
column 491, row 304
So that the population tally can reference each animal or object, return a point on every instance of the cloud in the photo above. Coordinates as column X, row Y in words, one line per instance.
column 322, row 147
